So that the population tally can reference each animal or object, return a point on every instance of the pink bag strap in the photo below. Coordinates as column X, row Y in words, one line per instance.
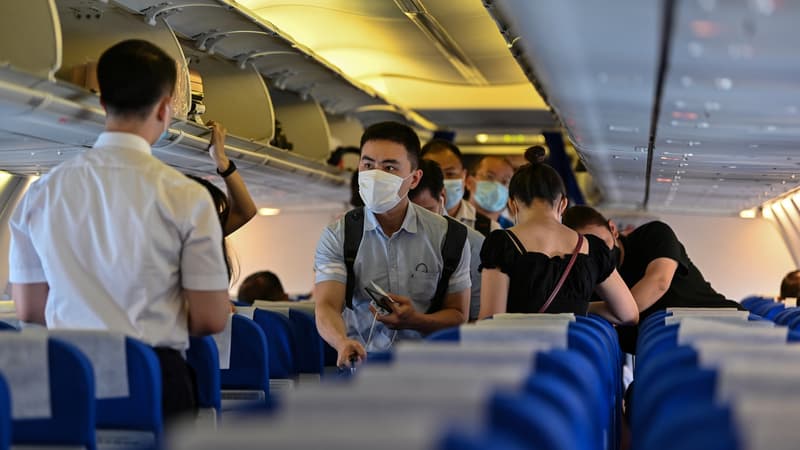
column 564, row 275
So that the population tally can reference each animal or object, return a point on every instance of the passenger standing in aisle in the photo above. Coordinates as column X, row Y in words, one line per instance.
column 399, row 251
column 431, row 194
column 448, row 156
column 115, row 239
column 540, row 265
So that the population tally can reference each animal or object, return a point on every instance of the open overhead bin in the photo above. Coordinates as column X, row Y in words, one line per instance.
column 50, row 107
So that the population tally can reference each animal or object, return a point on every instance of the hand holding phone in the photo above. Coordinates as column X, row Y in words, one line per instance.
column 380, row 299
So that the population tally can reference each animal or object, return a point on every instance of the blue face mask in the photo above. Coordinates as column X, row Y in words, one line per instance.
column 164, row 136
column 491, row 195
column 455, row 192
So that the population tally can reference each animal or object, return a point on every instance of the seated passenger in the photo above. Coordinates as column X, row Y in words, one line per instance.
column 489, row 187
column 115, row 239
column 449, row 158
column 529, row 267
column 790, row 286
column 431, row 194
column 653, row 263
column 263, row 285
column 398, row 249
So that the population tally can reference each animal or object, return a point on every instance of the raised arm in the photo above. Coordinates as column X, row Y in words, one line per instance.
column 242, row 208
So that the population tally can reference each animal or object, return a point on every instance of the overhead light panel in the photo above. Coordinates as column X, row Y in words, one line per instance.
column 268, row 211
column 441, row 39
column 751, row 213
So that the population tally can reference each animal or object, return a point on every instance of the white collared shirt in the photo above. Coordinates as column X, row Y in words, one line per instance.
column 408, row 263
column 467, row 214
column 116, row 234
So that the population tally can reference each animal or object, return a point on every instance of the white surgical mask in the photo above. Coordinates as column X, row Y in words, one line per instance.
column 379, row 190
column 455, row 192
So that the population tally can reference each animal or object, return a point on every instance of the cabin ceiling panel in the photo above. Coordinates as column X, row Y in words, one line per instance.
column 598, row 75
column 388, row 45
column 726, row 107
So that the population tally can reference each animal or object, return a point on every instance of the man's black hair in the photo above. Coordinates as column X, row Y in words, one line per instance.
column 441, row 145
column 432, row 180
column 395, row 132
column 790, row 286
column 133, row 75
column 581, row 216
column 263, row 285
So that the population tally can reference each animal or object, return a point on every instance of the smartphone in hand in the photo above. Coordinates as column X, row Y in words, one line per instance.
column 380, row 299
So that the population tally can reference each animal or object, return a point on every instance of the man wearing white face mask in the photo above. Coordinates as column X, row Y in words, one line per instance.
column 400, row 250
column 431, row 194
column 489, row 187
column 448, row 156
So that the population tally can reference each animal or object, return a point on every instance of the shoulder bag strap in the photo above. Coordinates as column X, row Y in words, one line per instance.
column 564, row 275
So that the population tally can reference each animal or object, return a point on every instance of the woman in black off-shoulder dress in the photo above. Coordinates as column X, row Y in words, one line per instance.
column 522, row 266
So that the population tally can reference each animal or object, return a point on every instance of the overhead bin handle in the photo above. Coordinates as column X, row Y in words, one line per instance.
column 153, row 12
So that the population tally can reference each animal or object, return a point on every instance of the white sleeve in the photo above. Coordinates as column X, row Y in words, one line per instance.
column 202, row 263
column 24, row 265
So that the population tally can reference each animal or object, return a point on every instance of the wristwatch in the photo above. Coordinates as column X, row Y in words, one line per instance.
column 231, row 168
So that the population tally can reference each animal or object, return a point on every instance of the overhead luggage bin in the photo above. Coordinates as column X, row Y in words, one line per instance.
column 304, row 123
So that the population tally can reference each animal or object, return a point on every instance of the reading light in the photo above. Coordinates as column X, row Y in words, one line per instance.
column 748, row 213
column 482, row 138
column 268, row 211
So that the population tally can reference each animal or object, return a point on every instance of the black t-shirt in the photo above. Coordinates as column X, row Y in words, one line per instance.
column 533, row 275
column 688, row 289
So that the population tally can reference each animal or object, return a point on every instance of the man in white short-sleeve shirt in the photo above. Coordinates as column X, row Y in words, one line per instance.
column 114, row 239
column 400, row 251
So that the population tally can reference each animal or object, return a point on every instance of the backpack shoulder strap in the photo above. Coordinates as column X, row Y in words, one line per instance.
column 483, row 224
column 452, row 248
column 353, row 232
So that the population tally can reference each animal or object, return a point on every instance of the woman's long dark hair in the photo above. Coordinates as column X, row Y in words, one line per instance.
column 223, row 210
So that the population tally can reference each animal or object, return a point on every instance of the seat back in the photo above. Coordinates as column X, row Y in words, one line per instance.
column 280, row 342
column 72, row 402
column 5, row 415
column 250, row 364
column 310, row 346
column 204, row 359
column 141, row 410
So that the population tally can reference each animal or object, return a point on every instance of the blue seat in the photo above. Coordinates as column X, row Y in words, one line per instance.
column 72, row 402
column 749, row 302
column 568, row 399
column 701, row 425
column 280, row 341
column 767, row 307
column 249, row 364
column 452, row 334
column 311, row 351
column 667, row 396
column 787, row 315
column 5, row 415
column 204, row 359
column 141, row 410
column 531, row 419
column 575, row 369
